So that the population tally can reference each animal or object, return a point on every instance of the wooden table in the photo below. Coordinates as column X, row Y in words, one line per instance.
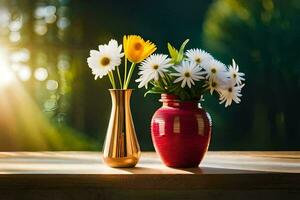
column 82, row 175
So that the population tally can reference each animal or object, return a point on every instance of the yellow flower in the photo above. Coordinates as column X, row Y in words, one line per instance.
column 136, row 49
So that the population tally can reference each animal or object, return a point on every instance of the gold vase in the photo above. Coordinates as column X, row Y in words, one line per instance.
column 121, row 147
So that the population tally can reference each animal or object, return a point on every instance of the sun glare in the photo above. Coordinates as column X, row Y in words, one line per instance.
column 6, row 74
column 19, row 111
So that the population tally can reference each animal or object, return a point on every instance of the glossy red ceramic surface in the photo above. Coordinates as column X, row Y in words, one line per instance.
column 181, row 132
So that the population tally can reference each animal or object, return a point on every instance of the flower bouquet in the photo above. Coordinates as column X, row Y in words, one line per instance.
column 191, row 74
column 108, row 59
column 121, row 148
column 181, row 129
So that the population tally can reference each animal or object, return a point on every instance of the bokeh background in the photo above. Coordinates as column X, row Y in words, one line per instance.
column 49, row 99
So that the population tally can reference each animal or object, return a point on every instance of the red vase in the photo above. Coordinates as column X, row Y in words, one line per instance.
column 180, row 132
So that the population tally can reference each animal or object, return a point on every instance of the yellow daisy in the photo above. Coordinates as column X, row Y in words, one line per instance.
column 136, row 49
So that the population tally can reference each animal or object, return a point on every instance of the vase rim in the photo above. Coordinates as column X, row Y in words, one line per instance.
column 120, row 89
column 173, row 97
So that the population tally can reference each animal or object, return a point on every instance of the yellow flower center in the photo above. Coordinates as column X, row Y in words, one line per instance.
column 198, row 60
column 234, row 75
column 138, row 46
column 187, row 74
column 155, row 67
column 105, row 61
column 213, row 70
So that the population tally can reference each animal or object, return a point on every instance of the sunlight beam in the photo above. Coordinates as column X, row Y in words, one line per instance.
column 6, row 75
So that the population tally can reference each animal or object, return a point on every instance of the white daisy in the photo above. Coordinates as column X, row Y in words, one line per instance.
column 215, row 85
column 231, row 93
column 234, row 73
column 106, row 59
column 198, row 56
column 214, row 70
column 153, row 68
column 188, row 72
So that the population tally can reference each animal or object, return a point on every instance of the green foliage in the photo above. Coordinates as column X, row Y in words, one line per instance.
column 156, row 89
column 173, row 52
column 177, row 56
column 264, row 37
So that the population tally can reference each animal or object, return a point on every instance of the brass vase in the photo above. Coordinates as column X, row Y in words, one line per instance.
column 121, row 147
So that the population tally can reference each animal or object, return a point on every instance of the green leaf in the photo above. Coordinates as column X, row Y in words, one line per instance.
column 154, row 90
column 181, row 51
column 151, row 92
column 177, row 56
column 173, row 52
column 174, row 88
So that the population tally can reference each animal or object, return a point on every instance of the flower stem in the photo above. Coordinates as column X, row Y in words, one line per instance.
column 129, row 75
column 112, row 79
column 119, row 76
column 152, row 83
column 161, row 84
column 164, row 81
column 168, row 78
column 125, row 72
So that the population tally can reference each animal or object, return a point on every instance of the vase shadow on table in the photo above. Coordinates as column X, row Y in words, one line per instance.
column 199, row 170
column 216, row 170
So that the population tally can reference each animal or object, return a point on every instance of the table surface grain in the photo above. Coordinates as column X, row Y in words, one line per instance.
column 91, row 163
column 220, row 171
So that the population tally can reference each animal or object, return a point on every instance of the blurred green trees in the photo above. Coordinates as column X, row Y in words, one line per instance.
column 42, row 55
column 263, row 36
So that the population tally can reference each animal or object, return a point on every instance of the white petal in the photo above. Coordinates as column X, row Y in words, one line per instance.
column 178, row 80
column 183, row 83
column 189, row 83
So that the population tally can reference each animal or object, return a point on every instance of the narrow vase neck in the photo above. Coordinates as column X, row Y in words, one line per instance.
column 120, row 97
